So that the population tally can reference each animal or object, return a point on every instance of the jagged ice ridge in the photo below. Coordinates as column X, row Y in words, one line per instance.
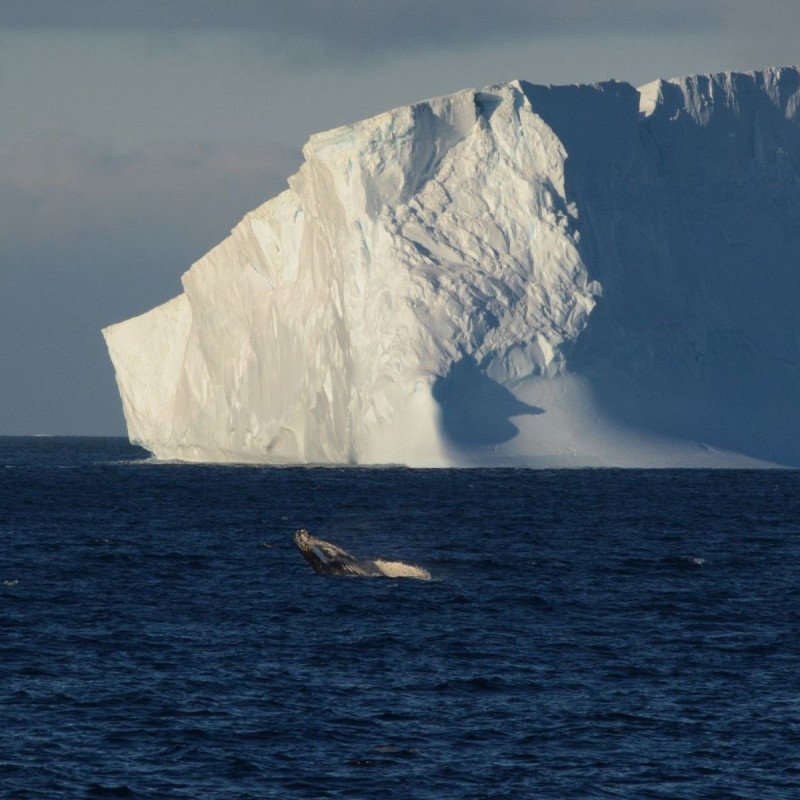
column 522, row 275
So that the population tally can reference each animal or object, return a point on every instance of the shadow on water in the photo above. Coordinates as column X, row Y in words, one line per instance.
column 475, row 409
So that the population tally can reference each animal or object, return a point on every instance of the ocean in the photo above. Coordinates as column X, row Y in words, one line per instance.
column 585, row 634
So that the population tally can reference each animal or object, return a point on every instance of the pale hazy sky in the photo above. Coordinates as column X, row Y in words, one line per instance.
column 135, row 133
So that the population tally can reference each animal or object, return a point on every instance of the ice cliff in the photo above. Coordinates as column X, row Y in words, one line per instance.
column 538, row 275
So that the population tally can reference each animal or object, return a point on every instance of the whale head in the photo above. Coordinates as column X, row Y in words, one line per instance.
column 302, row 538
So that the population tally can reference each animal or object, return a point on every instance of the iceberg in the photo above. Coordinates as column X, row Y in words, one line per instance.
column 521, row 275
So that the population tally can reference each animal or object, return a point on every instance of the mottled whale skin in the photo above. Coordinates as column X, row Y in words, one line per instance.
column 328, row 559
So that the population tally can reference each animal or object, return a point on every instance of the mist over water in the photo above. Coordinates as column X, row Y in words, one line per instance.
column 586, row 633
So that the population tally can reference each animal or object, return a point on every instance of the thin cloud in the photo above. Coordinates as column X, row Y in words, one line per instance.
column 64, row 193
column 351, row 28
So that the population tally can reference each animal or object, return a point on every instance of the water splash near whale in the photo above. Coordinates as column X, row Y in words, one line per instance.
column 329, row 559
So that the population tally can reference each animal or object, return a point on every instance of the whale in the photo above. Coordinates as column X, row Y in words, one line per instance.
column 326, row 558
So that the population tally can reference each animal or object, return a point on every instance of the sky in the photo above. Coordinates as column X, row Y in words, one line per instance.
column 134, row 134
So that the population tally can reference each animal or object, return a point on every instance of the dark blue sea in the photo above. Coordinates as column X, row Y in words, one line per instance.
column 586, row 634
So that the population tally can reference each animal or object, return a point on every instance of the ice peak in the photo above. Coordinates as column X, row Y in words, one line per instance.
column 701, row 94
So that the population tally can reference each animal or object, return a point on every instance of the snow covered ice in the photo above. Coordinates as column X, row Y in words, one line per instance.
column 521, row 275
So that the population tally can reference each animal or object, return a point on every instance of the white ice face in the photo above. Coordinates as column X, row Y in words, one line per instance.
column 545, row 276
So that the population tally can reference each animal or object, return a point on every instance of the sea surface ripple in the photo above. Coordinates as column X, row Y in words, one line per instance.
column 586, row 634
